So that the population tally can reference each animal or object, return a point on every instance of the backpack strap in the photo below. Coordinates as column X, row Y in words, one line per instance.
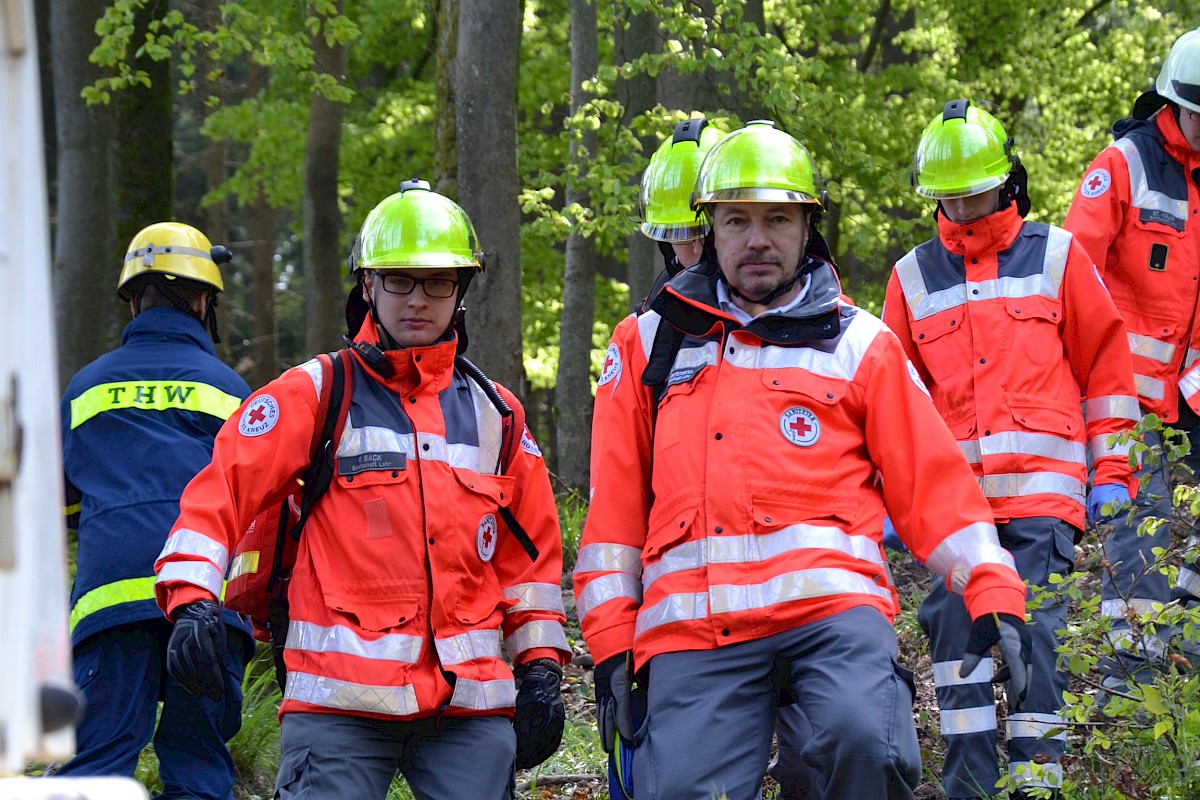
column 514, row 429
column 667, row 341
column 332, row 408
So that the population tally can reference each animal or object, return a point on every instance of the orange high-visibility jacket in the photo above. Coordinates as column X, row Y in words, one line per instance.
column 407, row 571
column 754, row 505
column 1136, row 214
column 1009, row 325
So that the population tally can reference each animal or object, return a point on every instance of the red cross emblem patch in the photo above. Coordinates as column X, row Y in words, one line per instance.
column 485, row 537
column 800, row 426
column 259, row 416
column 612, row 365
column 1096, row 183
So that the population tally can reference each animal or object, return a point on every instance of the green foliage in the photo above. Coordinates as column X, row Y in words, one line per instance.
column 1141, row 738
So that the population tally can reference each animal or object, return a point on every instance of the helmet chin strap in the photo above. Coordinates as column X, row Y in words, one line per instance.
column 779, row 290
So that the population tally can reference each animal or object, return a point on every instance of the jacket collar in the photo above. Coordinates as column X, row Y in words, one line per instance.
column 689, row 302
column 992, row 234
column 1174, row 143
column 161, row 322
column 431, row 366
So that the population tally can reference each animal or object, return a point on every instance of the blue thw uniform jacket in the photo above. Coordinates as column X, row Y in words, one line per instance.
column 137, row 425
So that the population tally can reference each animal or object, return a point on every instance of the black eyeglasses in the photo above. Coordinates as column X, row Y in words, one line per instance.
column 439, row 288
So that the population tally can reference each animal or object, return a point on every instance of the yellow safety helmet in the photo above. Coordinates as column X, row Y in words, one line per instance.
column 173, row 250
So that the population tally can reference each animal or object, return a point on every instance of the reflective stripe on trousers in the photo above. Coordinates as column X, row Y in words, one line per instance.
column 1040, row 546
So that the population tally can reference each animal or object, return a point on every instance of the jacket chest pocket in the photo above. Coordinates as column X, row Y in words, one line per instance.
column 803, row 408
column 1036, row 337
column 943, row 345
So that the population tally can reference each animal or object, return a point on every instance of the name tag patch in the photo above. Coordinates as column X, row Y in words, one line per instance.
column 371, row 462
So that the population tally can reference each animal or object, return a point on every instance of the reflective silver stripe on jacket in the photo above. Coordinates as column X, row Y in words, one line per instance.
column 968, row 720
column 312, row 638
column 1142, row 196
column 538, row 633
column 754, row 548
column 1149, row 387
column 1100, row 447
column 608, row 587
column 1191, row 358
column 484, row 695
column 186, row 542
column 1030, row 773
column 313, row 368
column 376, row 439
column 321, row 690
column 1189, row 384
column 922, row 303
column 960, row 552
column 1112, row 406
column 729, row 598
column 1154, row 349
column 841, row 364
column 198, row 573
column 535, row 597
column 1029, row 483
column 468, row 646
column 945, row 673
column 1028, row 725
column 647, row 328
column 1018, row 443
column 608, row 557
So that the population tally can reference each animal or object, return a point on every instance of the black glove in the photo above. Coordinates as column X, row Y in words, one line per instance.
column 540, row 713
column 196, row 651
column 1012, row 637
column 614, row 703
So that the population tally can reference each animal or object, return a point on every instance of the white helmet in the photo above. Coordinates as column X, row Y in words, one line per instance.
column 1178, row 80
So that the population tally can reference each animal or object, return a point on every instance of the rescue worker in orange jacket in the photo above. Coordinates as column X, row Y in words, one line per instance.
column 438, row 533
column 733, row 541
column 1008, row 324
column 1135, row 212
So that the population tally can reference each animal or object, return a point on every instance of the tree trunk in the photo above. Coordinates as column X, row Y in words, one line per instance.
column 573, row 392
column 445, row 158
column 263, row 348
column 489, row 43
column 636, row 94
column 144, row 171
column 325, row 301
column 87, row 258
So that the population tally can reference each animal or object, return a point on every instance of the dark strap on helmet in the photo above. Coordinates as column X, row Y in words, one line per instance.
column 955, row 109
column 689, row 130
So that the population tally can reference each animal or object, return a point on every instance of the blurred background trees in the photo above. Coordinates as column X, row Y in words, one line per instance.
column 276, row 126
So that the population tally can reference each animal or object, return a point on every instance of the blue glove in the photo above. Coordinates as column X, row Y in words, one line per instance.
column 891, row 540
column 1100, row 496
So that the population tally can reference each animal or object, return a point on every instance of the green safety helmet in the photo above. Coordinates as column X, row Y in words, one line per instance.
column 963, row 151
column 758, row 164
column 416, row 228
column 667, row 183
column 172, row 251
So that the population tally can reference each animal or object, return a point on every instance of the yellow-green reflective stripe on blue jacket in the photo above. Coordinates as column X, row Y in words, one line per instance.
column 152, row 396
column 130, row 590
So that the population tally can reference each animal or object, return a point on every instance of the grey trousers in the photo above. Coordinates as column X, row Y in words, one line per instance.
column 711, row 714
column 325, row 756
column 1040, row 546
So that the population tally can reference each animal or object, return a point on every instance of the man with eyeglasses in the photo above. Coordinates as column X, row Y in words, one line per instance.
column 1136, row 214
column 437, row 535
